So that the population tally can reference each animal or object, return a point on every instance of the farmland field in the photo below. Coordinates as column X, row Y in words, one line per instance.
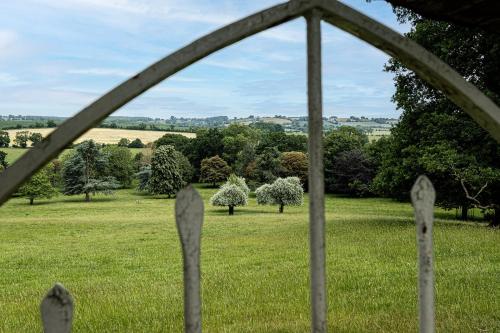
column 120, row 258
column 108, row 135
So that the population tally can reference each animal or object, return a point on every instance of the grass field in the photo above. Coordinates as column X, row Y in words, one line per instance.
column 120, row 258
column 108, row 135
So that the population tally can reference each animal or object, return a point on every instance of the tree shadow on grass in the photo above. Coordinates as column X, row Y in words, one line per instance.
column 241, row 212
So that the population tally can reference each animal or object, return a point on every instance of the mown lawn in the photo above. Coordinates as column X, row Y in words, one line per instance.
column 120, row 258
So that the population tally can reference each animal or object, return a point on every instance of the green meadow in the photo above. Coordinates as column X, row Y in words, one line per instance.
column 120, row 258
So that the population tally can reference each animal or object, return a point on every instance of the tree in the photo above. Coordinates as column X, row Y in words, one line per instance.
column 240, row 182
column 143, row 175
column 124, row 142
column 3, row 159
column 84, row 172
column 236, row 137
column 54, row 170
column 345, row 138
column 38, row 186
column 434, row 136
column 35, row 138
column 270, row 127
column 185, row 168
column 267, row 166
column 22, row 138
column 4, row 139
column 244, row 158
column 352, row 173
column 295, row 164
column 283, row 192
column 208, row 142
column 233, row 193
column 136, row 143
column 214, row 170
column 119, row 164
column 180, row 142
column 165, row 177
column 282, row 142
column 51, row 123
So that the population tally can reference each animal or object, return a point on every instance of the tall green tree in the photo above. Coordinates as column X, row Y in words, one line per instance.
column 180, row 142
column 295, row 164
column 38, row 186
column 208, row 143
column 166, row 178
column 337, row 141
column 84, row 172
column 119, row 164
column 214, row 170
column 434, row 136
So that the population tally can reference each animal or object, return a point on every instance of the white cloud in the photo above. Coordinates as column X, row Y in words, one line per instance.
column 101, row 72
column 240, row 64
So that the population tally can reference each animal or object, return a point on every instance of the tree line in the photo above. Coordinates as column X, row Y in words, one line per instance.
column 262, row 156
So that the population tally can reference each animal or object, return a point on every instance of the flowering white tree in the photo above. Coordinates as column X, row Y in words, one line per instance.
column 283, row 192
column 233, row 193
column 240, row 182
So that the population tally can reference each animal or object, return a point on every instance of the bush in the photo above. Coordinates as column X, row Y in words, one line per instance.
column 137, row 143
column 283, row 192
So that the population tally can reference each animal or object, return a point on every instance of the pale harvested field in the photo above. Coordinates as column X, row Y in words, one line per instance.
column 107, row 135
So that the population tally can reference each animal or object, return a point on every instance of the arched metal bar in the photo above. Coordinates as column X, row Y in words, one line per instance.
column 74, row 127
column 429, row 67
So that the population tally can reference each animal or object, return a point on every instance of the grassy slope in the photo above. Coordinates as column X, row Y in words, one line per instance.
column 120, row 258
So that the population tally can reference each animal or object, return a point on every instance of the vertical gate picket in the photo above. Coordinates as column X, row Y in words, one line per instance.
column 57, row 310
column 316, row 176
column 423, row 196
column 189, row 219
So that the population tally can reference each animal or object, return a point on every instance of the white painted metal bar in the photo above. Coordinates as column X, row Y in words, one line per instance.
column 423, row 196
column 189, row 218
column 57, row 310
column 316, row 175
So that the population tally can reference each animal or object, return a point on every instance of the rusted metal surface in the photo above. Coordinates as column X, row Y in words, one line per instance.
column 57, row 310
column 316, row 174
column 423, row 196
column 189, row 218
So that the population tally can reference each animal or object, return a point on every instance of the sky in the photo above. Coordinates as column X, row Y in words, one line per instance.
column 56, row 57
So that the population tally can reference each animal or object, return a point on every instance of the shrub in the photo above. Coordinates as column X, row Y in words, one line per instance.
column 137, row 143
